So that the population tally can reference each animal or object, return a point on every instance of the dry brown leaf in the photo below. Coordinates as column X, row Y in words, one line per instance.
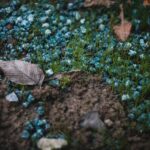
column 146, row 3
column 22, row 72
column 122, row 30
column 107, row 3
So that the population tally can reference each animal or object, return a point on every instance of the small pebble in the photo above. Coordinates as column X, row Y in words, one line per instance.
column 49, row 72
column 92, row 120
column 108, row 123
column 50, row 144
column 12, row 97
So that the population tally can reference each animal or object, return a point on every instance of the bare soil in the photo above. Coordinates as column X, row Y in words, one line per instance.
column 65, row 110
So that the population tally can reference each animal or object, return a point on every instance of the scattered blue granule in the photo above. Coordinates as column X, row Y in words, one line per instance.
column 25, row 104
column 30, row 98
column 25, row 134
column 131, row 116
column 29, row 126
column 38, row 134
column 19, row 93
column 28, row 101
column 40, row 110
column 55, row 83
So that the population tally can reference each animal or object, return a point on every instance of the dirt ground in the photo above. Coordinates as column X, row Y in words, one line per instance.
column 65, row 110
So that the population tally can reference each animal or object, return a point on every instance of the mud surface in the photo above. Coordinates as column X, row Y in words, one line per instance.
column 65, row 110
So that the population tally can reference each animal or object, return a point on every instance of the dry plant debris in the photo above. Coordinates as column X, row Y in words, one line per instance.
column 107, row 3
column 122, row 30
column 22, row 72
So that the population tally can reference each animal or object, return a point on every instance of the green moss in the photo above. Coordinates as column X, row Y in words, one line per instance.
column 65, row 82
column 56, row 66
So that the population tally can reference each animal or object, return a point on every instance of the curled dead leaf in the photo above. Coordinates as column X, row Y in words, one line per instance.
column 22, row 72
column 107, row 3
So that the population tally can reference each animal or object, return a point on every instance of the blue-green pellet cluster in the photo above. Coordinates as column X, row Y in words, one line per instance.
column 35, row 129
